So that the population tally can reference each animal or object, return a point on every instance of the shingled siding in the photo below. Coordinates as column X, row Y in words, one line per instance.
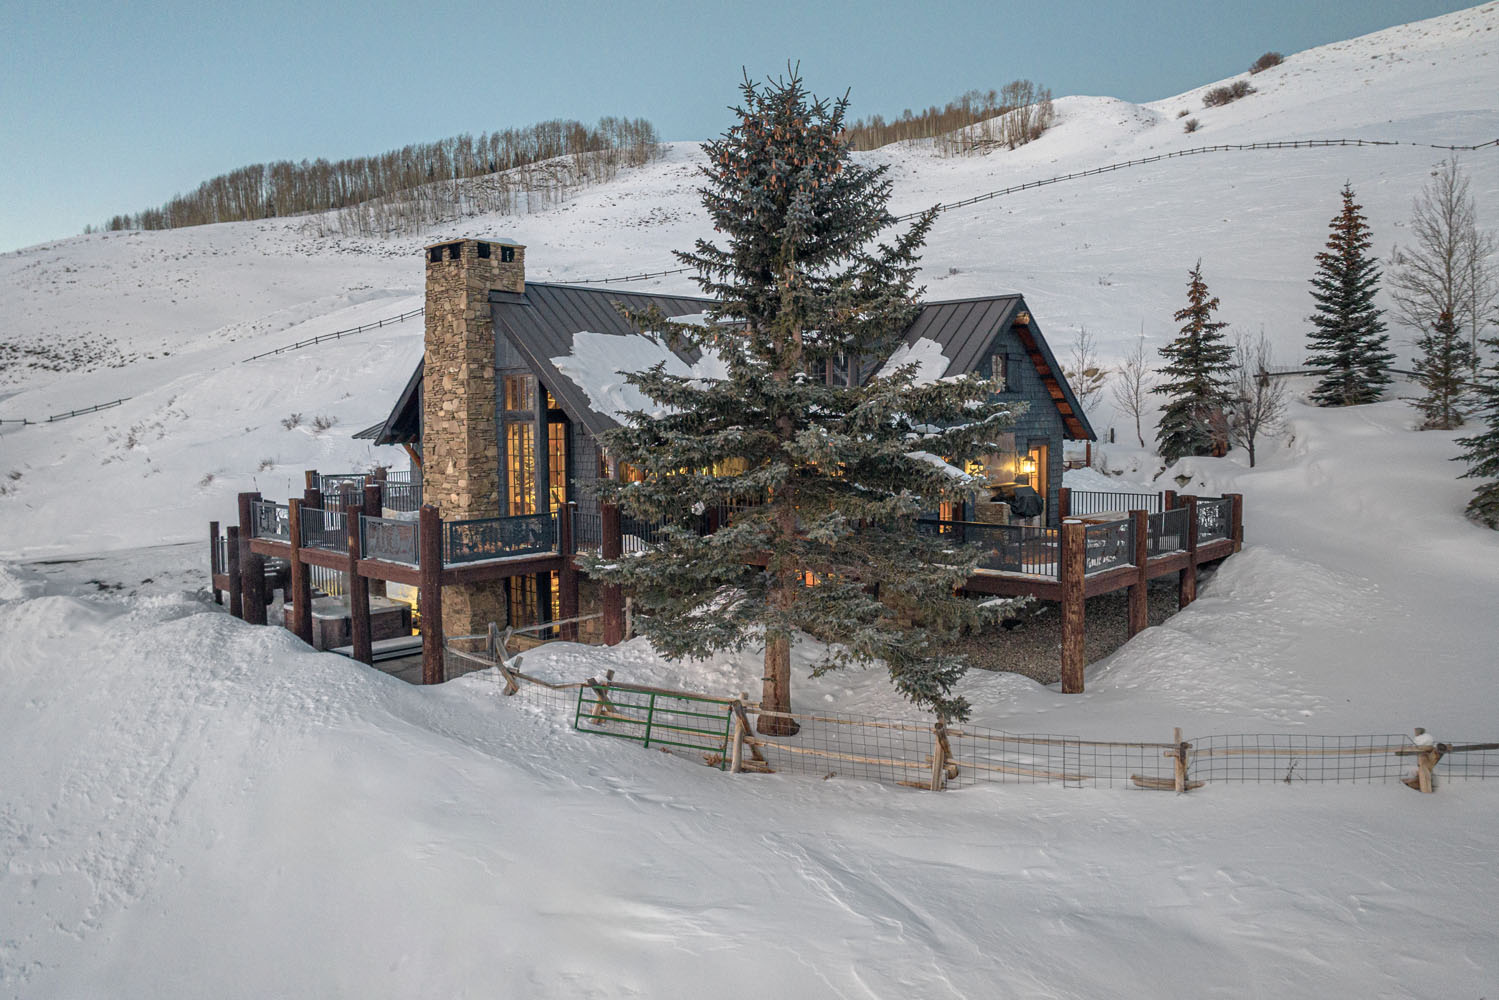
column 1040, row 422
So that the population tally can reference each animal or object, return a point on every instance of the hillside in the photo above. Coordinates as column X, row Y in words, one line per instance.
column 166, row 316
column 193, row 806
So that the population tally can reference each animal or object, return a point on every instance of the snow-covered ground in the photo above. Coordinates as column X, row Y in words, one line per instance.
column 190, row 805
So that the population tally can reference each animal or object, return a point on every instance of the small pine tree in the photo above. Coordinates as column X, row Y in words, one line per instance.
column 826, row 480
column 1444, row 363
column 1197, row 378
column 1348, row 340
column 1482, row 449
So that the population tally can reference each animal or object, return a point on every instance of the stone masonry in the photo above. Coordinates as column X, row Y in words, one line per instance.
column 460, row 441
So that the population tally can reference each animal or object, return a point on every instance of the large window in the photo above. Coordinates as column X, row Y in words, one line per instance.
column 557, row 463
column 518, row 393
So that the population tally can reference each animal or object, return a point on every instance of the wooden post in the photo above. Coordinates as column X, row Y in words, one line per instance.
column 1187, row 578
column 1168, row 500
column 214, row 569
column 939, row 756
column 1074, row 546
column 359, row 594
column 310, row 480
column 373, row 507
column 1064, row 502
column 567, row 577
column 236, row 585
column 251, row 564
column 736, row 751
column 611, row 546
column 1426, row 760
column 1180, row 764
column 430, row 593
column 1139, row 591
column 1237, row 532
column 301, row 580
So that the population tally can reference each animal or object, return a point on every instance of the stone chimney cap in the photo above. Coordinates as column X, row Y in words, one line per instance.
column 496, row 240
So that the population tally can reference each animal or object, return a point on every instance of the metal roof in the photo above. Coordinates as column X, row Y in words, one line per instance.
column 540, row 324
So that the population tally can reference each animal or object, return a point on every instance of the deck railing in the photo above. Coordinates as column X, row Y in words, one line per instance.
column 486, row 538
column 638, row 533
column 1082, row 502
column 1166, row 532
column 1214, row 519
column 324, row 529
column 588, row 531
column 1108, row 546
column 270, row 520
column 401, row 496
column 1009, row 548
column 390, row 540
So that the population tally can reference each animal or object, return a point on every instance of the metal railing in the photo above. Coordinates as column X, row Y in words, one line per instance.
column 1166, row 532
column 324, row 529
column 637, row 534
column 401, row 496
column 487, row 538
column 270, row 520
column 1009, row 548
column 1108, row 546
column 1082, row 502
column 1214, row 519
column 588, row 531
column 390, row 540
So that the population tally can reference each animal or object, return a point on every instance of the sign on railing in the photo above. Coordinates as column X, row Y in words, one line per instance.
column 324, row 529
column 390, row 540
column 270, row 520
column 1214, row 519
column 498, row 538
column 1108, row 546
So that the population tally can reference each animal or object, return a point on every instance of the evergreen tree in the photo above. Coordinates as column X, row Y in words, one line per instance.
column 1196, row 378
column 1445, row 361
column 825, row 479
column 1348, row 340
column 1482, row 449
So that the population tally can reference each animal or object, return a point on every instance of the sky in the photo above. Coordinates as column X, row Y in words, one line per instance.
column 111, row 108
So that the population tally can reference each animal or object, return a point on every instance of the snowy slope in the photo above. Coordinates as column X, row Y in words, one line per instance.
column 190, row 806
column 178, row 310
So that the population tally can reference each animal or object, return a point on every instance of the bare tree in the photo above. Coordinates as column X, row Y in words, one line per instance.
column 1131, row 385
column 1259, row 398
column 1083, row 371
column 1451, row 266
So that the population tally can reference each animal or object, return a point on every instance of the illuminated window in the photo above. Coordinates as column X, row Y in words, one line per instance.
column 522, row 600
column 557, row 464
column 520, row 393
column 997, row 371
column 520, row 456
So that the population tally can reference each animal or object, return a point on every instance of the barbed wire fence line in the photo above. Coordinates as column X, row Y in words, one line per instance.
column 941, row 209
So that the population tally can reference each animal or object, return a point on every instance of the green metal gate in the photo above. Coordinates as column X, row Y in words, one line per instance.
column 657, row 717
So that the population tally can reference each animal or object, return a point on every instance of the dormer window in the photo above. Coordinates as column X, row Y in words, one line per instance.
column 996, row 372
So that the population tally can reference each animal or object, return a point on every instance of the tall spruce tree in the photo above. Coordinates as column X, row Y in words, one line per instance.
column 1482, row 449
column 825, row 477
column 1196, row 379
column 1348, row 340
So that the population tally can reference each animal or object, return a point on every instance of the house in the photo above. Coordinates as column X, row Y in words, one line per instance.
column 555, row 350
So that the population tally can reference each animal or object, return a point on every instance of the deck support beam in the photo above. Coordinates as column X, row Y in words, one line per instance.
column 1073, row 558
column 251, row 564
column 301, row 580
column 1139, row 591
column 430, row 594
column 567, row 576
column 231, row 570
column 611, row 546
column 359, row 594
column 1186, row 586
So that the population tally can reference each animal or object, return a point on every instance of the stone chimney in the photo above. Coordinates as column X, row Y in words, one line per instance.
column 460, row 443
column 460, row 440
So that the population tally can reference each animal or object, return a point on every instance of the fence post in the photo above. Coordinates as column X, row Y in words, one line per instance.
column 301, row 580
column 214, row 569
column 1074, row 547
column 1179, row 768
column 736, row 752
column 1168, row 500
column 1139, row 591
column 1187, row 579
column 611, row 546
column 1237, row 531
column 373, row 507
column 251, row 564
column 429, row 593
column 1426, row 760
column 359, row 594
column 236, row 585
column 941, row 751
column 567, row 577
column 1064, row 501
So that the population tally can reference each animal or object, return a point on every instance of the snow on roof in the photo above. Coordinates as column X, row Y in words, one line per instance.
column 931, row 364
column 598, row 359
column 951, row 470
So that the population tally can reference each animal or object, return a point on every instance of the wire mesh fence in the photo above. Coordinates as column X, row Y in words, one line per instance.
column 933, row 754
